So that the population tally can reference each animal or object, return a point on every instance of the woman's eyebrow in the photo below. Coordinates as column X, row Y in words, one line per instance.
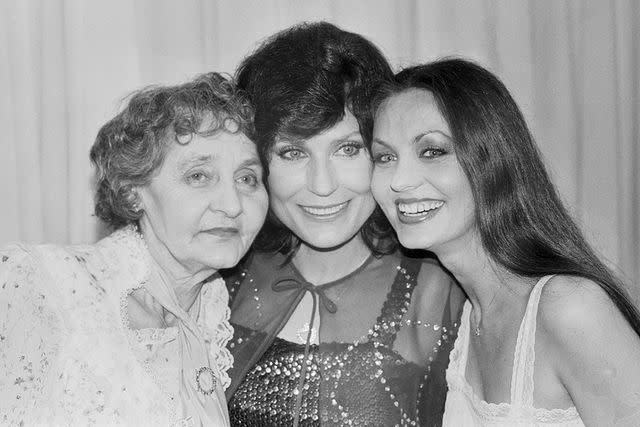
column 302, row 142
column 287, row 141
column 429, row 132
column 380, row 142
column 253, row 162
column 195, row 160
column 348, row 136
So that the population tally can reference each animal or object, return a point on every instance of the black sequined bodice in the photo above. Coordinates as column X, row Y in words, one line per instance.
column 267, row 396
column 365, row 382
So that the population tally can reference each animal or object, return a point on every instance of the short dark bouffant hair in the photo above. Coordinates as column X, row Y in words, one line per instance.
column 130, row 147
column 519, row 215
column 300, row 81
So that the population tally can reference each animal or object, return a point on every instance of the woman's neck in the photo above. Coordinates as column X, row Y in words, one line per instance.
column 185, row 283
column 490, row 287
column 320, row 266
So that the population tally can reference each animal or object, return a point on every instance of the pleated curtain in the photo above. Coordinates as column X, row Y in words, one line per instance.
column 66, row 66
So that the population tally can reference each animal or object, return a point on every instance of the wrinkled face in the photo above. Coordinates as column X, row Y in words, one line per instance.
column 417, row 179
column 320, row 187
column 207, row 202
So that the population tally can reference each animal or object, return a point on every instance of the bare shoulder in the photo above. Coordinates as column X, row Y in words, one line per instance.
column 592, row 349
column 583, row 327
column 570, row 304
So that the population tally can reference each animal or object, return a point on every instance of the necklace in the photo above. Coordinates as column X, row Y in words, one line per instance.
column 476, row 329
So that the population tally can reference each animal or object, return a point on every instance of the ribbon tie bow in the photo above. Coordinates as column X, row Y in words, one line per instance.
column 291, row 283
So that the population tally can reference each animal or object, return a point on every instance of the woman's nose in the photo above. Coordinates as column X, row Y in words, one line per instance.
column 321, row 177
column 405, row 177
column 226, row 199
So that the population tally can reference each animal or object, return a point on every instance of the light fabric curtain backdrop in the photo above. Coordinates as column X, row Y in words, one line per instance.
column 66, row 65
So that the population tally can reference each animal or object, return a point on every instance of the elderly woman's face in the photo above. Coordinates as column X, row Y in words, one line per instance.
column 207, row 202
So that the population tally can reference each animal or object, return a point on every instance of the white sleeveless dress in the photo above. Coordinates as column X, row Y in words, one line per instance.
column 463, row 408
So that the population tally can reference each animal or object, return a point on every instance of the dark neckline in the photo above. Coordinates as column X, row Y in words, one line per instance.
column 300, row 276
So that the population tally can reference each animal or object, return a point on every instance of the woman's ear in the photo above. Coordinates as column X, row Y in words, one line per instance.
column 135, row 199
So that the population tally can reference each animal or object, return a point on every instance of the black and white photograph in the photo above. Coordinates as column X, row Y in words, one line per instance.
column 300, row 213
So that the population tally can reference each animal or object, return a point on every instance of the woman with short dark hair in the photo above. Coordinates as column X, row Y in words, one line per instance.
column 133, row 330
column 548, row 335
column 334, row 325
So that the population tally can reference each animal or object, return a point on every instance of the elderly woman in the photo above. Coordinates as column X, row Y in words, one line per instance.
column 132, row 330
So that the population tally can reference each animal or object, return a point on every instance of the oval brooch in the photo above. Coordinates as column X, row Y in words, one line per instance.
column 206, row 380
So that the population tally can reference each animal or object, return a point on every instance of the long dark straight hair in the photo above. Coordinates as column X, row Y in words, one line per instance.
column 521, row 220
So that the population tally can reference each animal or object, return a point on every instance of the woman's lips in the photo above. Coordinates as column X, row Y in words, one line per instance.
column 412, row 211
column 324, row 212
column 222, row 232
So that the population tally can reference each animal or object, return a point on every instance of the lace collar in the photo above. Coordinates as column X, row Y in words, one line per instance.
column 126, row 256
column 125, row 252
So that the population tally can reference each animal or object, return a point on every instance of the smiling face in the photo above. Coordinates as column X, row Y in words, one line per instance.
column 417, row 179
column 206, row 203
column 320, row 187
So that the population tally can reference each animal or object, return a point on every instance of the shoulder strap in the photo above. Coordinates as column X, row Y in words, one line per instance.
column 460, row 352
column 525, row 356
column 397, row 302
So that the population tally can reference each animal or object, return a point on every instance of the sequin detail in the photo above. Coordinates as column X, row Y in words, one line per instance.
column 357, row 383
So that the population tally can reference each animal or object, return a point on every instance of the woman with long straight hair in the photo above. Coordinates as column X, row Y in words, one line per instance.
column 548, row 335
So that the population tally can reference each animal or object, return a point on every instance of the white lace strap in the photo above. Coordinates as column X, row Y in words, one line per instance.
column 460, row 351
column 525, row 355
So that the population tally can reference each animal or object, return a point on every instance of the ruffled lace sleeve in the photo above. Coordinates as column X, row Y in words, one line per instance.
column 30, row 333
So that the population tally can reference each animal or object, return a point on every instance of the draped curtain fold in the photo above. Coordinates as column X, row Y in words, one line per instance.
column 66, row 65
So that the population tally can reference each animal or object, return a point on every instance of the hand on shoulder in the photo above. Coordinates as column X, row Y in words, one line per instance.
column 595, row 350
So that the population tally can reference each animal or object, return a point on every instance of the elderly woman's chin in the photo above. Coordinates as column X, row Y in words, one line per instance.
column 223, row 249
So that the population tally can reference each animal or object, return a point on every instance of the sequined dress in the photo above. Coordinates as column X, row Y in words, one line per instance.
column 381, row 357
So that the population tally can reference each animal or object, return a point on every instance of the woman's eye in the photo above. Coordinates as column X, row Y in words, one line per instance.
column 382, row 158
column 197, row 178
column 249, row 180
column 350, row 150
column 291, row 154
column 432, row 152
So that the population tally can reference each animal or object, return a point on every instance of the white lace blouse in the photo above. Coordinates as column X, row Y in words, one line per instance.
column 67, row 354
